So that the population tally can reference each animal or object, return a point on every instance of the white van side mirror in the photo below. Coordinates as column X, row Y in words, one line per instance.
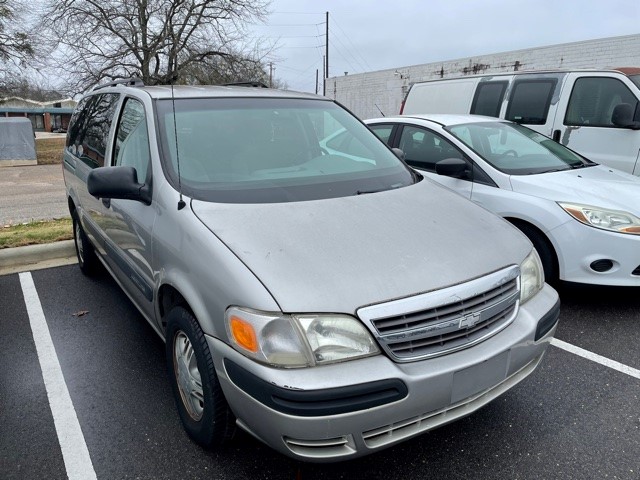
column 622, row 116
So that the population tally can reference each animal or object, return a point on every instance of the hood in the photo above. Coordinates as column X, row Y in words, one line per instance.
column 337, row 255
column 598, row 186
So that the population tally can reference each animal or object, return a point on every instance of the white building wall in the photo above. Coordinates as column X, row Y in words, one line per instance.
column 366, row 94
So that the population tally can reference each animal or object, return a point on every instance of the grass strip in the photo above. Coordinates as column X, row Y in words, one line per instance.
column 49, row 150
column 34, row 233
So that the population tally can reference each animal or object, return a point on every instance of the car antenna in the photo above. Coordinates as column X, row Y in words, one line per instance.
column 181, row 203
column 381, row 112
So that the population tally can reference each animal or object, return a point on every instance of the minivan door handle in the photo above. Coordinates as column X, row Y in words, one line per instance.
column 556, row 136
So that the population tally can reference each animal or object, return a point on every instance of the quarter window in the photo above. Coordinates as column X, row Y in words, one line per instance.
column 89, row 128
column 593, row 99
column 529, row 101
column 132, row 139
column 488, row 98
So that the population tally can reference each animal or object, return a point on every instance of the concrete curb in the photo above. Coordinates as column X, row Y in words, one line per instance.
column 35, row 257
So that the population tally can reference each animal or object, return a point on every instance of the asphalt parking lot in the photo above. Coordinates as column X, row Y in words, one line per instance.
column 576, row 417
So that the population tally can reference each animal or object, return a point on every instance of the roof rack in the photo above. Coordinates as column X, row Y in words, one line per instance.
column 128, row 82
column 245, row 84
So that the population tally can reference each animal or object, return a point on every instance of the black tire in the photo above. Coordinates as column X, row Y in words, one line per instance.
column 205, row 414
column 545, row 251
column 87, row 259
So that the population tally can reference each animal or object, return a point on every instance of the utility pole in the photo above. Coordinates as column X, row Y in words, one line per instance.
column 326, row 54
column 271, row 69
column 316, row 81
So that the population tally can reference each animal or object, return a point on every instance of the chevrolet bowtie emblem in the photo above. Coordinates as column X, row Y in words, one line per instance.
column 469, row 320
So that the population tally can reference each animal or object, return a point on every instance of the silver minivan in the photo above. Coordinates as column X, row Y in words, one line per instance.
column 329, row 302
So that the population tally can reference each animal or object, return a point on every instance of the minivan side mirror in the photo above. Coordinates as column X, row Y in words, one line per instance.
column 452, row 167
column 622, row 116
column 118, row 182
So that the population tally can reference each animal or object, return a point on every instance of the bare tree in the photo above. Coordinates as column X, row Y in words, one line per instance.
column 26, row 86
column 156, row 40
column 15, row 44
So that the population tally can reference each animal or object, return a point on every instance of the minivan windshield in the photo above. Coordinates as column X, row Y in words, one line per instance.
column 517, row 150
column 267, row 150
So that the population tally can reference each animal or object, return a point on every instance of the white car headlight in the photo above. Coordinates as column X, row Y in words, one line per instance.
column 298, row 340
column 612, row 220
column 531, row 276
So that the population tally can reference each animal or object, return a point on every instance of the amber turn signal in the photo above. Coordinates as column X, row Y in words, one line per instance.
column 244, row 334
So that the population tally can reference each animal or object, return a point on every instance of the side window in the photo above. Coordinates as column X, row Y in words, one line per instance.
column 488, row 98
column 423, row 148
column 383, row 132
column 593, row 99
column 89, row 131
column 76, row 123
column 132, row 139
column 529, row 101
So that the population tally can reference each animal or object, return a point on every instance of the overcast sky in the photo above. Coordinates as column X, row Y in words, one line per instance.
column 368, row 35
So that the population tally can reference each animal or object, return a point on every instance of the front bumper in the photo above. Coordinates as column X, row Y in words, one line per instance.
column 351, row 409
column 578, row 246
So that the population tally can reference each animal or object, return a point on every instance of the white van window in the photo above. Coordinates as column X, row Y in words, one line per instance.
column 529, row 101
column 488, row 98
column 593, row 99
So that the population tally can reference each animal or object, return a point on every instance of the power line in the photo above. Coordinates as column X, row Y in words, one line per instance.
column 352, row 44
column 361, row 66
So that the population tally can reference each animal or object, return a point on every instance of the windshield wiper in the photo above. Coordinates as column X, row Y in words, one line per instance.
column 583, row 165
column 384, row 189
column 364, row 192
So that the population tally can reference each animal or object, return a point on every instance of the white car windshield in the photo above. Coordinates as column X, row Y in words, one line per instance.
column 517, row 150
column 263, row 150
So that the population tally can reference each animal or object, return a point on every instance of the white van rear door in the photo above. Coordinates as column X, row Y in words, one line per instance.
column 440, row 96
column 584, row 121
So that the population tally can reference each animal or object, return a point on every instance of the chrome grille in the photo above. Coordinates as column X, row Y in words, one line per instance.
column 446, row 320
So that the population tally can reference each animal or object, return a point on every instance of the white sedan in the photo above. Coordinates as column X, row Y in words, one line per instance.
column 583, row 218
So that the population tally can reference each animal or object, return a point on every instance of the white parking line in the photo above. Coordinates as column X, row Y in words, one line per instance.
column 594, row 357
column 74, row 449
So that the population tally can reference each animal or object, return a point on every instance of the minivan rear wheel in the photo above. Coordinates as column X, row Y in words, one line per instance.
column 203, row 410
column 87, row 259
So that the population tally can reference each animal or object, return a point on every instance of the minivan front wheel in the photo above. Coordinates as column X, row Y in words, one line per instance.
column 201, row 405
column 87, row 259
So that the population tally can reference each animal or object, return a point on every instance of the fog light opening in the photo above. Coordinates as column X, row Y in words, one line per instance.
column 602, row 265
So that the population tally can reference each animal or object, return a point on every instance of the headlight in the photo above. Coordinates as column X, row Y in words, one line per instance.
column 612, row 220
column 298, row 340
column 531, row 276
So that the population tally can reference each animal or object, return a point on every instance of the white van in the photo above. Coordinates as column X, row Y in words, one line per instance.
column 593, row 112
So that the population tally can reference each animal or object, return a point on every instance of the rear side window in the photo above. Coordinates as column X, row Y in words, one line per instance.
column 89, row 128
column 383, row 132
column 593, row 99
column 488, row 98
column 529, row 101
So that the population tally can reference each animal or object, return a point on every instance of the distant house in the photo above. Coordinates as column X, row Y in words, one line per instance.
column 45, row 116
